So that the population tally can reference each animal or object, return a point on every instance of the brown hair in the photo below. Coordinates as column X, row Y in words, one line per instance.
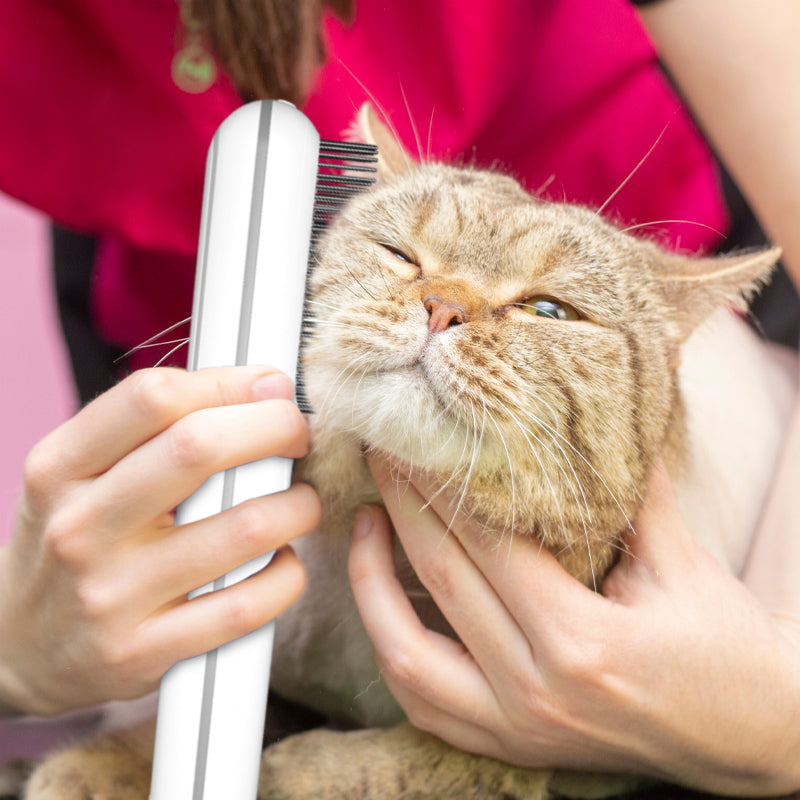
column 268, row 48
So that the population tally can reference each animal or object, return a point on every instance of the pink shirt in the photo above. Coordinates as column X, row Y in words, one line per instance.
column 564, row 94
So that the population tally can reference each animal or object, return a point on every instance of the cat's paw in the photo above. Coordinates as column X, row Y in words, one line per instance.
column 106, row 769
column 378, row 764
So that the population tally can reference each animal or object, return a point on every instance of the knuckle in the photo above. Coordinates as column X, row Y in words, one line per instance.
column 399, row 665
column 239, row 616
column 155, row 393
column 63, row 540
column 114, row 652
column 40, row 471
column 531, row 703
column 246, row 526
column 579, row 663
column 437, row 579
column 94, row 603
column 189, row 443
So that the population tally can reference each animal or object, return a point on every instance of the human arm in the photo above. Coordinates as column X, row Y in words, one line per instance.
column 93, row 582
column 737, row 63
column 663, row 674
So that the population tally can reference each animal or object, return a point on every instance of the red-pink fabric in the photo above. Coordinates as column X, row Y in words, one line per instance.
column 564, row 94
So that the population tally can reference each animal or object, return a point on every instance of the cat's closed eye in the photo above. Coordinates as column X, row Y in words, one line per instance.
column 403, row 257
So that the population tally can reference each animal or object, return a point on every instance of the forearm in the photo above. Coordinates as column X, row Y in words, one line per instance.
column 737, row 64
column 772, row 568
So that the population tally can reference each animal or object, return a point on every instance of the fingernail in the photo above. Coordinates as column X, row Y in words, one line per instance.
column 273, row 386
column 363, row 521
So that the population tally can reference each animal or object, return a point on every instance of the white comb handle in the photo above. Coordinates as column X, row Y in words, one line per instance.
column 248, row 303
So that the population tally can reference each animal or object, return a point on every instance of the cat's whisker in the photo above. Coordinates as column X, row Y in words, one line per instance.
column 356, row 389
column 330, row 323
column 430, row 136
column 576, row 479
column 541, row 423
column 513, row 485
column 338, row 382
column 477, row 438
column 583, row 458
column 632, row 172
column 455, row 472
column 387, row 118
column 671, row 222
column 544, row 471
column 152, row 339
column 414, row 129
column 170, row 353
column 182, row 341
column 361, row 285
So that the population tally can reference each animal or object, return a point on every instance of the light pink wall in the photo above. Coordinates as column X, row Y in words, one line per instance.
column 36, row 392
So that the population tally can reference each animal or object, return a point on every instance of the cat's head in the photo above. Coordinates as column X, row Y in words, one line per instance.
column 523, row 351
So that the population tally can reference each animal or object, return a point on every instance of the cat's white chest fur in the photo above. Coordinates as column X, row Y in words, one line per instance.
column 738, row 393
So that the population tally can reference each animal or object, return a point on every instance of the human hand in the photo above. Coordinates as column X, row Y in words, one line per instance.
column 674, row 671
column 93, row 582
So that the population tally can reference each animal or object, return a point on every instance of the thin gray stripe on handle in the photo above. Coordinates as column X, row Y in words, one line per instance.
column 245, row 318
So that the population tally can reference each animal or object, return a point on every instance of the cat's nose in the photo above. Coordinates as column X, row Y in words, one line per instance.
column 441, row 314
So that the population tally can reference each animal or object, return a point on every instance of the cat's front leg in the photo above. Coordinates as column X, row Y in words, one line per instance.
column 382, row 764
column 107, row 768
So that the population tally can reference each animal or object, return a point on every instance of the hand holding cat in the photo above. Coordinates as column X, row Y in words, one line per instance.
column 551, row 673
column 93, row 583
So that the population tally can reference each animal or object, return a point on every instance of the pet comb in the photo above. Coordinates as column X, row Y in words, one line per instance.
column 271, row 186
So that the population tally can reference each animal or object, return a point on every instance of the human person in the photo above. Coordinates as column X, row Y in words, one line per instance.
column 676, row 669
column 106, row 578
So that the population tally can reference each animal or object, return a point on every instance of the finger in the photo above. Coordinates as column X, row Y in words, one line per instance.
column 141, row 406
column 539, row 594
column 459, row 732
column 659, row 546
column 213, row 619
column 658, row 522
column 459, row 588
column 193, row 555
column 434, row 667
column 165, row 470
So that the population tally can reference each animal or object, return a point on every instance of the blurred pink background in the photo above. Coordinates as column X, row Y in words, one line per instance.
column 37, row 392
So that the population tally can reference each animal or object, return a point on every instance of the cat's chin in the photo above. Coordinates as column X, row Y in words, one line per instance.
column 397, row 412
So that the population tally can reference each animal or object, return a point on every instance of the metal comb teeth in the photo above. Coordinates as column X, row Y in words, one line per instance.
column 345, row 169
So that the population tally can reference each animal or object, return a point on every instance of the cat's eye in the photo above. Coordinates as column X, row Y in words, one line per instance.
column 399, row 254
column 549, row 308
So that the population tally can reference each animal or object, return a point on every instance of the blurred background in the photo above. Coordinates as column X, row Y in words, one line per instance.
column 36, row 392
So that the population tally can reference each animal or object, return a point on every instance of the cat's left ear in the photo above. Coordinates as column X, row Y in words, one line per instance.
column 696, row 287
column 392, row 157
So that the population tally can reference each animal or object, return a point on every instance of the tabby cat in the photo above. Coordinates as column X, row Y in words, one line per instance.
column 538, row 358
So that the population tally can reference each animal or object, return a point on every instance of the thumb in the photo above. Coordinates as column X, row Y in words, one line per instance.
column 660, row 542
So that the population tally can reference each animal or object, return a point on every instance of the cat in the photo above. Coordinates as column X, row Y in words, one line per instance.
column 540, row 359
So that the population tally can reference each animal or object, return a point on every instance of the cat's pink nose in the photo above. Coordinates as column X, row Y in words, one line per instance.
column 442, row 315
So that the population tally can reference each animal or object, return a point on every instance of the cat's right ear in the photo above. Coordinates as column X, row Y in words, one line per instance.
column 392, row 157
column 695, row 287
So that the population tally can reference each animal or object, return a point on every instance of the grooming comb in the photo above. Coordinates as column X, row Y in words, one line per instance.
column 271, row 186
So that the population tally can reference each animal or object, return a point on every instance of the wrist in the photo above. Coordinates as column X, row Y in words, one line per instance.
column 758, row 755
column 16, row 699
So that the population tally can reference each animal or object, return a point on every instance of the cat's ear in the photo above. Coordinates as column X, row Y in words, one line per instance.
column 696, row 287
column 392, row 158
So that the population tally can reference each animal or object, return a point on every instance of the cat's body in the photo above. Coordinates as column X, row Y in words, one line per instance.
column 737, row 392
column 539, row 360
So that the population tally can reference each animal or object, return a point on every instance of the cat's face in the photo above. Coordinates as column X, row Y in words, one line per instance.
column 525, row 352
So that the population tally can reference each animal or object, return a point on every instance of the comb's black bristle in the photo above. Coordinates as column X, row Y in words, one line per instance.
column 336, row 184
